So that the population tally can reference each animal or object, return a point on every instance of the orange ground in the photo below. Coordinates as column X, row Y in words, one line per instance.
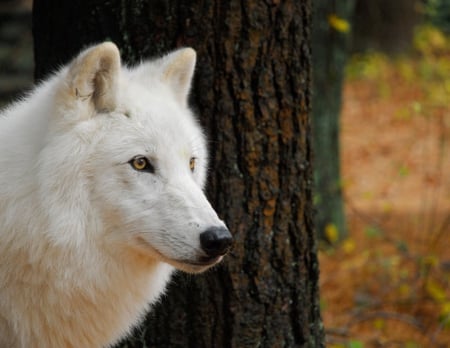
column 388, row 285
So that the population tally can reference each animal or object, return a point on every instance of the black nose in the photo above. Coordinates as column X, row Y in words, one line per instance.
column 216, row 241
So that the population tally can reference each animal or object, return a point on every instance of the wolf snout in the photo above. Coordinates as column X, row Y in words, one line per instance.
column 216, row 241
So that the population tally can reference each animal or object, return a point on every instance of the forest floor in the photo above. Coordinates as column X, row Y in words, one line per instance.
column 388, row 283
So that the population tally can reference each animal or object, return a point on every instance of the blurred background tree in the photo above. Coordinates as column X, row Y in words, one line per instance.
column 385, row 25
column 438, row 12
column 330, row 44
column 341, row 28
column 16, row 59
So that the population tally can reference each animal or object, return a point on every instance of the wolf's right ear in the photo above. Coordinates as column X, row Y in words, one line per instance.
column 93, row 77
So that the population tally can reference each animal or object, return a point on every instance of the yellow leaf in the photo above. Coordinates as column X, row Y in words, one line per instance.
column 367, row 195
column 445, row 309
column 404, row 290
column 348, row 246
column 338, row 24
column 332, row 233
column 430, row 260
column 387, row 207
column 379, row 323
column 435, row 291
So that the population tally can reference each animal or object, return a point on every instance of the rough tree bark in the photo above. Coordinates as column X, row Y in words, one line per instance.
column 252, row 93
column 330, row 48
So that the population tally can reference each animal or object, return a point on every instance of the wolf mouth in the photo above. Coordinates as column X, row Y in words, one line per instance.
column 203, row 261
column 200, row 262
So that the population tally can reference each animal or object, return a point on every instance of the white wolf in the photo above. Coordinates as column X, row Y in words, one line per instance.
column 101, row 176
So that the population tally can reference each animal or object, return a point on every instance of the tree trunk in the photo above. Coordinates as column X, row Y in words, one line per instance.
column 386, row 25
column 330, row 47
column 252, row 93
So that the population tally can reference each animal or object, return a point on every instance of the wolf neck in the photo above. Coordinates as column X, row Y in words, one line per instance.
column 84, row 284
column 122, row 292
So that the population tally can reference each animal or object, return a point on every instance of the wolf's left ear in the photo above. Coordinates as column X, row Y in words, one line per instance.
column 177, row 71
column 93, row 76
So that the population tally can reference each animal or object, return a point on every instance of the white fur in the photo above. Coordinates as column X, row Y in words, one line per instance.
column 86, row 241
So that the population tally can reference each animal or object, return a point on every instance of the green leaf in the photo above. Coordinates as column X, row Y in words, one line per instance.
column 403, row 171
column 411, row 344
column 355, row 344
column 372, row 231
column 402, row 246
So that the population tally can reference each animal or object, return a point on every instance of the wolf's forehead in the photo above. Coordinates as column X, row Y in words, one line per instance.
column 154, row 102
column 163, row 124
column 155, row 133
column 156, row 117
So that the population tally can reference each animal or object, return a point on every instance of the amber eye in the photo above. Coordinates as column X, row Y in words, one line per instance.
column 141, row 164
column 192, row 163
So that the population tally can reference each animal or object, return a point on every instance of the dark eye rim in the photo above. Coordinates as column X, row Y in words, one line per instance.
column 149, row 168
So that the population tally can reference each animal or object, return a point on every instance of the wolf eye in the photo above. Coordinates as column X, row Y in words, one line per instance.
column 142, row 164
column 192, row 163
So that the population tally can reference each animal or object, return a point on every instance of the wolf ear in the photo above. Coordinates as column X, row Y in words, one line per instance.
column 177, row 71
column 93, row 76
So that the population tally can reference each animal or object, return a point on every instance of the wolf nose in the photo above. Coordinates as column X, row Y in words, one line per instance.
column 216, row 241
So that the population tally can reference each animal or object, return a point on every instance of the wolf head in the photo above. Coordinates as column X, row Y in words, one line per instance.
column 126, row 161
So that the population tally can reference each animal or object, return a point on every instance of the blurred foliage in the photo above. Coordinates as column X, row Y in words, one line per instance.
column 393, row 279
column 429, row 66
column 438, row 12
column 350, row 344
column 395, row 285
